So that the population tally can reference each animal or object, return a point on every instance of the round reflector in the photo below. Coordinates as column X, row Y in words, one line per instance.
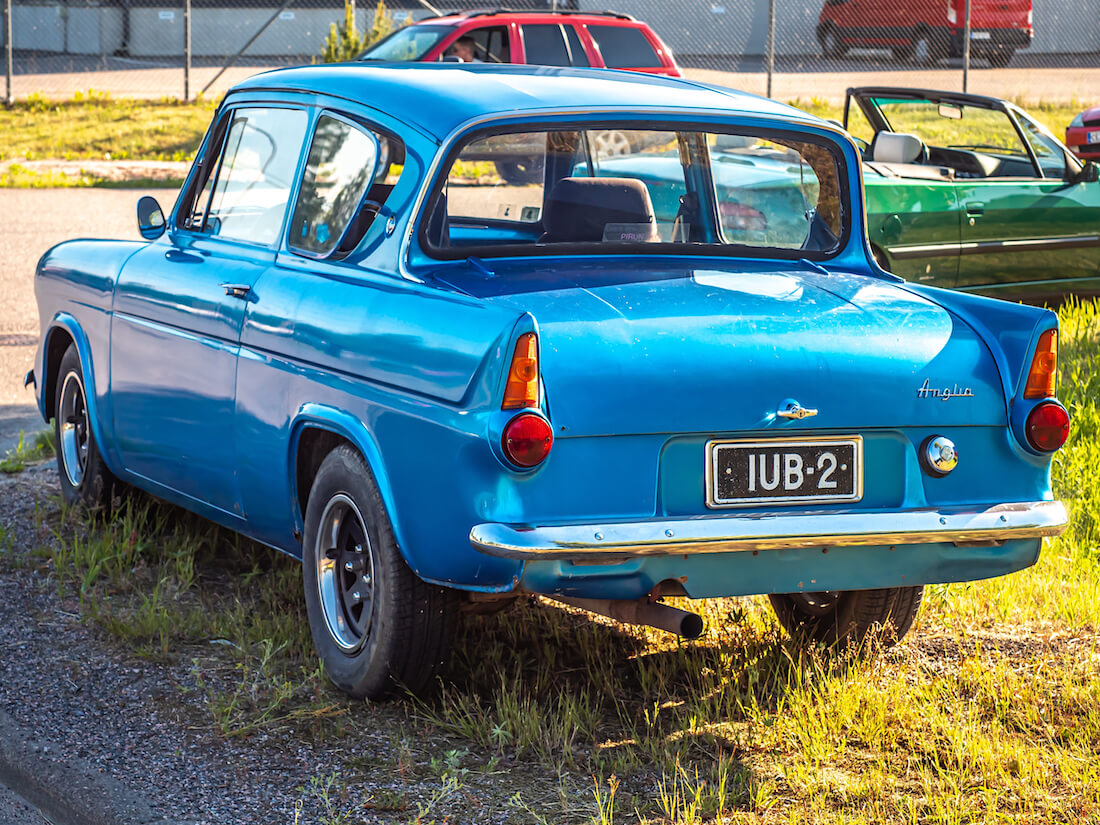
column 527, row 439
column 1048, row 427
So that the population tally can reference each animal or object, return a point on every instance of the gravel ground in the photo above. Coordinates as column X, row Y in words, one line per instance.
column 133, row 741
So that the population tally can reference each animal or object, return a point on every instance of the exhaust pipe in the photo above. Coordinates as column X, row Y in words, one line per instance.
column 642, row 612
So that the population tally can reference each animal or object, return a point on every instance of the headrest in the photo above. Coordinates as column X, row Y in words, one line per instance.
column 579, row 210
column 897, row 147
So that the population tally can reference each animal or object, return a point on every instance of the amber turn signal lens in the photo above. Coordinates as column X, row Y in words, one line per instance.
column 522, row 389
column 1048, row 427
column 527, row 440
column 1044, row 367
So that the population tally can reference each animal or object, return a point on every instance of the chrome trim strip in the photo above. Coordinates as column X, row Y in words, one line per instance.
column 713, row 503
column 983, row 247
column 771, row 531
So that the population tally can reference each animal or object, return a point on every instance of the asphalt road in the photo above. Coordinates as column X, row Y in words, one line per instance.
column 35, row 220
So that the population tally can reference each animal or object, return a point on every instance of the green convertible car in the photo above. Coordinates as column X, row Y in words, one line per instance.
column 962, row 192
column 971, row 192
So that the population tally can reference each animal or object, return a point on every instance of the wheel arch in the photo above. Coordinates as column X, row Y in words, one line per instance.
column 317, row 430
column 65, row 331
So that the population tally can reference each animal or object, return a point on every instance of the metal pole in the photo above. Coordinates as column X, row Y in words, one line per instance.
column 8, row 46
column 771, row 44
column 186, row 49
column 966, row 49
column 244, row 48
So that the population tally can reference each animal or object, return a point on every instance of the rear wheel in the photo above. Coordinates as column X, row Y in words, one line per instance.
column 377, row 627
column 83, row 474
column 848, row 616
column 831, row 44
column 925, row 49
column 999, row 58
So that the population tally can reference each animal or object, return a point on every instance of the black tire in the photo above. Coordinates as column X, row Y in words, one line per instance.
column 378, row 628
column 999, row 58
column 831, row 45
column 846, row 617
column 84, row 476
column 519, row 171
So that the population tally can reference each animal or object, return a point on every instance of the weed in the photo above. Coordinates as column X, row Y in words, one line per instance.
column 27, row 452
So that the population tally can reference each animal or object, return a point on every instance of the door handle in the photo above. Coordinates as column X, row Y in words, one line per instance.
column 237, row 290
column 975, row 209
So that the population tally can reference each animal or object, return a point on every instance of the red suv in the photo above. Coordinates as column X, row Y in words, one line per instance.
column 926, row 30
column 563, row 38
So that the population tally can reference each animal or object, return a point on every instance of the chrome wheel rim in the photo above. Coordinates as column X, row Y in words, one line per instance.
column 610, row 143
column 817, row 604
column 72, row 414
column 345, row 573
column 921, row 50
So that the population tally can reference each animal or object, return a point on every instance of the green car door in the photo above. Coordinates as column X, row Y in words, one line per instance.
column 913, row 225
column 1034, row 233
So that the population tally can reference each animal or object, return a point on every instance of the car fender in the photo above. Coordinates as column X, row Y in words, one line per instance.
column 347, row 426
column 64, row 322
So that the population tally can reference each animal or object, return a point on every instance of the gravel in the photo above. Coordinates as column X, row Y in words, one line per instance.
column 96, row 711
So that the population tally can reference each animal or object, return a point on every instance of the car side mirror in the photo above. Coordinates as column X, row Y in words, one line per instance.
column 150, row 218
column 1090, row 173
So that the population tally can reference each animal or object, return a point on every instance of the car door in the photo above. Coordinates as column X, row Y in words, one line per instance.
column 1037, row 224
column 180, row 303
column 915, row 222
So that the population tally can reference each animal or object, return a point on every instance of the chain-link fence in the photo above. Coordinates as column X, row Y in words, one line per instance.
column 1027, row 50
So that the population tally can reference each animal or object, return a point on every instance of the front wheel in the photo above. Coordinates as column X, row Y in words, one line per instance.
column 83, row 474
column 377, row 627
column 848, row 616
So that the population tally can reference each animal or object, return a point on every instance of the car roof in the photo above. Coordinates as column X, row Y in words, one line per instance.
column 439, row 97
column 599, row 17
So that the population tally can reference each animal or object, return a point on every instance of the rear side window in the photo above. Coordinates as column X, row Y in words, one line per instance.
column 490, row 44
column 624, row 47
column 544, row 45
column 349, row 173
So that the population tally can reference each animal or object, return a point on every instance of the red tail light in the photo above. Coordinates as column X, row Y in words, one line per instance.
column 527, row 440
column 1047, row 427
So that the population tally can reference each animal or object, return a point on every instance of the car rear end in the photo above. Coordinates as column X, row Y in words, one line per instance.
column 697, row 453
column 998, row 28
column 1083, row 134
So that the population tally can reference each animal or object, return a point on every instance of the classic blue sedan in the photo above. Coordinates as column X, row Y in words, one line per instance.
column 355, row 342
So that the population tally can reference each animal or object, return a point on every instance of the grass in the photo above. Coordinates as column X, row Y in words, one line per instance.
column 989, row 713
column 27, row 451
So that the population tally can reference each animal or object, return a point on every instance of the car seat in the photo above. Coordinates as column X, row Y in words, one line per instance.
column 581, row 210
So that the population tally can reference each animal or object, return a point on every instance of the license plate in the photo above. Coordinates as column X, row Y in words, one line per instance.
column 979, row 35
column 748, row 472
column 1094, row 137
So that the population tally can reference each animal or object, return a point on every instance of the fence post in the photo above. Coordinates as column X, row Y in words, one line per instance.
column 966, row 49
column 8, row 47
column 771, row 44
column 186, row 50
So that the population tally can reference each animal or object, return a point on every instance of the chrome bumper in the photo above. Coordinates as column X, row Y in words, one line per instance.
column 771, row 531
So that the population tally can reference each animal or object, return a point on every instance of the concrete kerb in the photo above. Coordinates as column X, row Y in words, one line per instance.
column 63, row 788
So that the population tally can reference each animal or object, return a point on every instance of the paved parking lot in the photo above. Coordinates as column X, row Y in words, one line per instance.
column 35, row 220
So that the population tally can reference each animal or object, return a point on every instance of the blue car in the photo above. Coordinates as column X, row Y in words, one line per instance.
column 352, row 340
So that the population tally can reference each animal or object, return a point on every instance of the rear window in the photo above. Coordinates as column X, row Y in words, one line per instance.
column 624, row 47
column 615, row 186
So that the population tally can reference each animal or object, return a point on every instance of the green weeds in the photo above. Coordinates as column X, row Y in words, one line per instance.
column 38, row 448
